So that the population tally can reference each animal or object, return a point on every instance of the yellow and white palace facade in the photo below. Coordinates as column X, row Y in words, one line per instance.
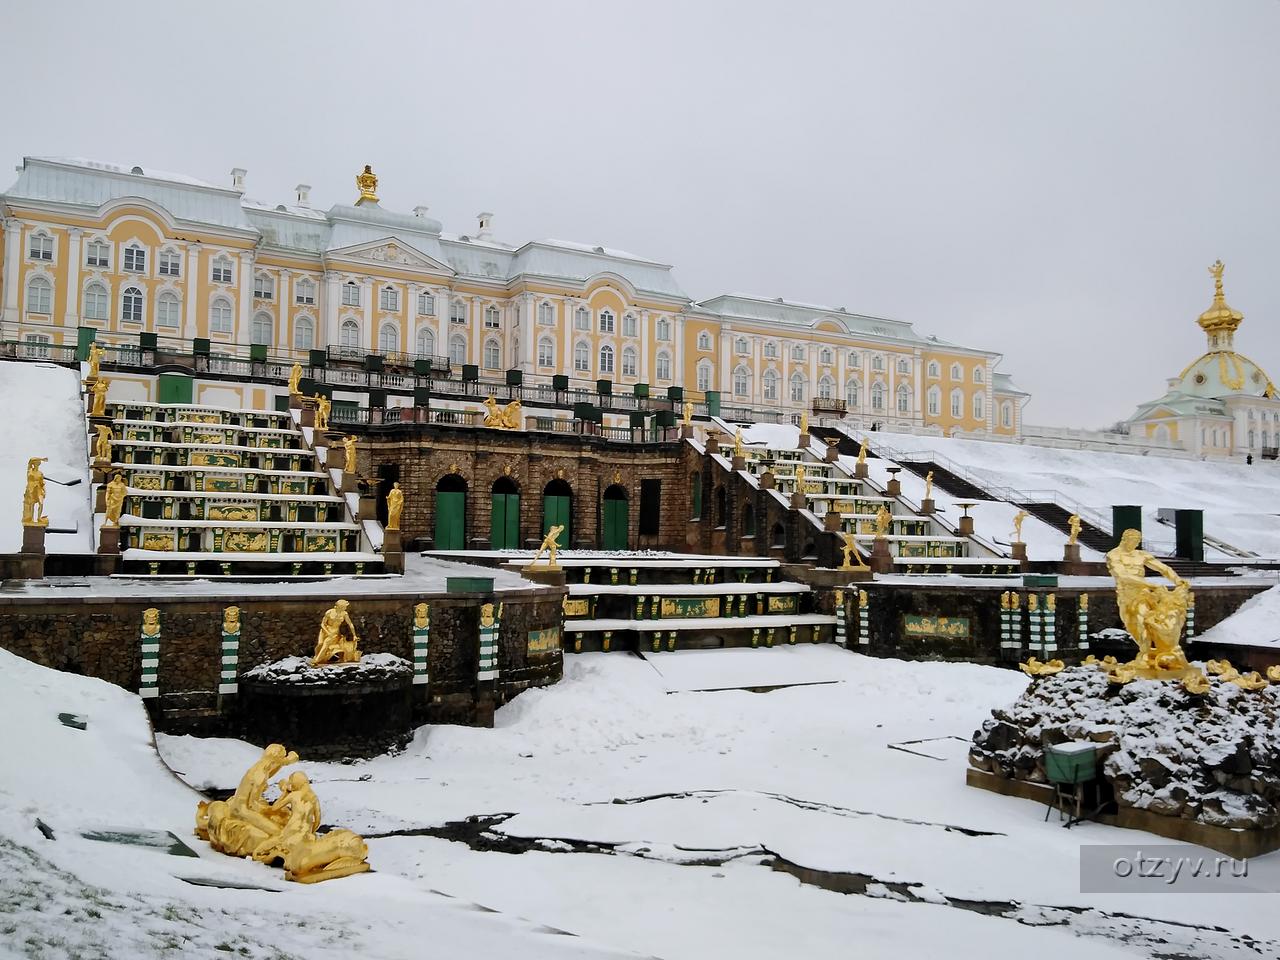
column 132, row 250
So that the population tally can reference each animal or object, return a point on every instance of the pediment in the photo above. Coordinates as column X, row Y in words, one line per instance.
column 392, row 252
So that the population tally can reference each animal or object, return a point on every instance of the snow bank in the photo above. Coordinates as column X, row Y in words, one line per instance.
column 1255, row 624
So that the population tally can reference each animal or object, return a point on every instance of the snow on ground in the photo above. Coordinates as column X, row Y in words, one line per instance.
column 1255, row 624
column 1239, row 501
column 862, row 775
column 44, row 417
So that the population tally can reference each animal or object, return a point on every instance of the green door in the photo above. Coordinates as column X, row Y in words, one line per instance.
column 84, row 337
column 504, row 522
column 615, row 521
column 451, row 511
column 175, row 388
column 555, row 512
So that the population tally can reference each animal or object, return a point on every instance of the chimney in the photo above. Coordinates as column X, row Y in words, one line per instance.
column 304, row 194
column 237, row 178
column 421, row 211
column 486, row 226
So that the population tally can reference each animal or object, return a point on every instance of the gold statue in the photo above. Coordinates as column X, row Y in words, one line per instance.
column 883, row 520
column 1035, row 668
column 349, row 448
column 33, row 514
column 367, row 182
column 322, row 412
column 738, row 450
column 1196, row 683
column 395, row 504
column 493, row 413
column 1017, row 525
column 310, row 857
column 503, row 418
column 239, row 824
column 231, row 620
column 850, row 551
column 99, row 408
column 804, row 422
column 928, row 485
column 1073, row 524
column 330, row 646
column 489, row 613
column 115, row 494
column 295, row 378
column 687, row 419
column 862, row 451
column 1251, row 681
column 96, row 354
column 550, row 544
column 512, row 417
column 1153, row 615
column 1273, row 674
column 102, row 445
column 800, row 478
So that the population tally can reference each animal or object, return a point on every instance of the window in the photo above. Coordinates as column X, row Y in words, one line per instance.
column 457, row 312
column 170, row 264
column 220, row 316
column 956, row 372
column 824, row 355
column 877, row 397
column 581, row 319
column 663, row 329
column 546, row 314
column 1006, row 414
column 826, row 387
column 606, row 321
column 168, row 311
column 41, row 246
column 662, row 364
column 388, row 339
column 977, row 375
column 260, row 328
column 458, row 349
column 581, row 357
column 1250, row 438
column 491, row 320
column 97, row 254
column 389, row 299
column 741, row 347
column 877, row 362
column 546, row 352
column 629, row 362
column 135, row 259
column 304, row 334
column 934, row 369
column 221, row 270
column 853, row 394
column 704, row 340
column 426, row 342
column 704, row 376
column 426, row 305
column 606, row 359
column 904, row 399
column 492, row 354
column 628, row 324
column 96, row 303
column 741, row 382
column 349, row 334
column 957, row 404
column 131, row 305
column 771, row 350
column 39, row 296
column 264, row 288
column 979, row 406
column 797, row 351
column 797, row 387
column 770, row 385
column 305, row 292
column 935, row 401
column 350, row 295
column 904, row 365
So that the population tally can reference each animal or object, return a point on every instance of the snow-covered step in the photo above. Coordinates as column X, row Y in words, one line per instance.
column 762, row 621
column 682, row 589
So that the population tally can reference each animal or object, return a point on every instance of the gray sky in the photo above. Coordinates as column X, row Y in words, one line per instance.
column 1048, row 179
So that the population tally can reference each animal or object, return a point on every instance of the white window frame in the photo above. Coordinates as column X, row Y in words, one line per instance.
column 935, row 401
column 546, row 314
column 140, row 297
column 262, row 329
column 796, row 387
column 426, row 304
column 169, row 263
column 608, row 322
column 742, row 381
column 389, row 299
column 388, row 333
column 934, row 369
column 704, row 340
column 102, row 301
column 957, row 403
column 770, row 384
column 40, row 302
column 135, row 258
column 425, row 342
column 40, row 246
column 979, row 406
column 305, row 292
column 546, row 352
column 662, row 330
column 904, row 399
column 770, row 350
column 492, row 318
column 629, row 365
column 704, row 376
column 169, row 310
column 349, row 334
column 491, row 355
column 662, row 365
column 264, row 287
column 956, row 372
column 853, row 393
column 97, row 254
column 607, row 357
column 581, row 357
column 877, row 397
column 826, row 387
column 582, row 318
column 825, row 356
column 978, row 375
column 629, row 325
column 798, row 351
column 457, row 311
column 216, row 310
column 301, row 342
column 457, row 349
column 221, row 270
column 350, row 294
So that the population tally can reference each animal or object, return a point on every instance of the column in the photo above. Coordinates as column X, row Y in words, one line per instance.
column 410, row 344
column 645, row 329
column 725, row 363
column 282, row 320
column 246, row 297
column 192, row 278
column 71, row 315
column 12, row 264
column 330, row 297
column 368, row 290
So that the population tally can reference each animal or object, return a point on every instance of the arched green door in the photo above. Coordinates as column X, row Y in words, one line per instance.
column 504, row 518
column 557, row 510
column 616, row 518
column 451, row 513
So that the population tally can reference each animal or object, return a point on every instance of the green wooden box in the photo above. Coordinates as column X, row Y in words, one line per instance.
column 469, row 584
column 1071, row 763
column 1039, row 579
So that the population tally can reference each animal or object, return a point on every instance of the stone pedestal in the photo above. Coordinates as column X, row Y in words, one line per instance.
column 1071, row 565
column 739, row 463
column 33, row 538
column 798, row 501
column 881, row 558
column 308, row 418
column 1071, row 553
column 965, row 527
column 860, row 471
column 686, row 431
column 713, row 441
column 766, row 480
column 295, row 401
column 548, row 576
column 100, row 495
column 350, row 482
column 803, row 442
column 1019, row 551
column 833, row 453
column 893, row 488
column 31, row 559
column 109, row 541
column 927, row 506
column 392, row 549
column 368, row 509
column 831, row 521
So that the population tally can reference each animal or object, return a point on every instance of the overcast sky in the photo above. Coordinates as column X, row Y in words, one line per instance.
column 1046, row 179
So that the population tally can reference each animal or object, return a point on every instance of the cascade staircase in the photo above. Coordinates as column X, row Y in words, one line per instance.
column 1058, row 517
column 945, row 480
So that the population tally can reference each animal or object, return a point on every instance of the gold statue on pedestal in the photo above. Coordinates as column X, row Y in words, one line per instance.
column 862, row 452
column 330, row 645
column 738, row 450
column 295, row 378
column 395, row 504
column 349, row 448
column 804, row 422
column 33, row 514
column 800, row 478
column 102, row 444
column 883, row 521
column 99, row 407
column 928, row 485
column 1073, row 524
column 367, row 183
column 503, row 418
column 687, row 410
column 322, row 412
column 1153, row 615
column 1018, row 517
column 115, row 494
column 551, row 546
column 849, row 549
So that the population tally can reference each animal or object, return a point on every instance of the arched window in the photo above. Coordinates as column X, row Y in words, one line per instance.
column 704, row 340
column 904, row 399
column 350, row 294
column 458, row 349
column 662, row 365
column 797, row 387
column 546, row 314
column 606, row 358
column 220, row 316
column 934, row 369
column 304, row 334
column 797, row 351
column 877, row 396
column 741, row 381
column 935, row 401
column 1006, row 414
column 581, row 357
column 349, row 335
column 131, row 305
column 629, row 361
column 97, row 303
column 979, row 406
column 305, row 292
column 606, row 321
column 168, row 310
column 40, row 296
column 956, row 372
column 546, row 352
column 825, row 355
column 770, row 350
column 826, row 387
column 493, row 354
column 770, row 383
column 261, row 327
column 457, row 312
column 629, row 325
column 426, row 342
column 389, row 298
column 853, row 394
column 977, row 375
column 41, row 246
column 388, row 339
column 704, row 376
column 662, row 329
column 957, row 404
column 582, row 319
column 492, row 319
column 877, row 362
column 426, row 304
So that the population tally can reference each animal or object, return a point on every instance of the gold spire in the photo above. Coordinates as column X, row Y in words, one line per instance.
column 1219, row 321
column 368, row 183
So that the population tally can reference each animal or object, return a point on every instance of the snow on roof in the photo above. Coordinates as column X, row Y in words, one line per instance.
column 130, row 170
column 600, row 251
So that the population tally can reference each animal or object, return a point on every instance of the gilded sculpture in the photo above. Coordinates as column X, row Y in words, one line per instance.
column 331, row 646
column 231, row 620
column 489, row 613
column 738, row 449
column 395, row 505
column 1034, row 668
column 551, row 546
column 1153, row 615
column 1073, row 524
column 99, row 408
column 367, row 183
column 804, row 422
column 33, row 514
column 850, row 551
column 687, row 418
column 928, row 485
column 1018, row 517
column 95, row 360
column 349, row 451
column 322, row 412
column 862, row 452
column 102, row 445
column 151, row 622
column 421, row 616
column 800, row 478
column 116, row 491
column 239, row 824
column 883, row 521
column 295, row 378
column 502, row 418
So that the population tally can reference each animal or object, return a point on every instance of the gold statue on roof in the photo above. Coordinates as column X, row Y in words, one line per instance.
column 550, row 546
column 367, row 182
column 804, row 422
column 96, row 354
column 687, row 417
column 738, row 450
column 33, row 514
column 862, row 451
column 1153, row 615
column 331, row 647
column 395, row 504
column 800, row 477
column 502, row 418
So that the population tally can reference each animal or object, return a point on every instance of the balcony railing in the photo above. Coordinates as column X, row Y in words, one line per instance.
column 829, row 405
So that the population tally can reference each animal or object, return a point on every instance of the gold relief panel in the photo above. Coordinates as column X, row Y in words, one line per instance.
column 576, row 608
column 200, row 417
column 786, row 603
column 158, row 541
column 324, row 544
column 232, row 512
column 241, row 542
column 147, row 483
column 223, row 484
column 690, row 607
column 208, row 438
column 210, row 458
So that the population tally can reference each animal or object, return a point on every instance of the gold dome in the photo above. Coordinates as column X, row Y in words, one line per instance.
column 1220, row 317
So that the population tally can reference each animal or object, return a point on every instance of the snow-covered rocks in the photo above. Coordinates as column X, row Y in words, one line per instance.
column 371, row 668
column 1212, row 758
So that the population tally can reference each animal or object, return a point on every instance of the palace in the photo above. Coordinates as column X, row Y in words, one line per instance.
column 100, row 252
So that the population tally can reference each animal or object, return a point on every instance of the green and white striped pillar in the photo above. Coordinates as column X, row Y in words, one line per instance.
column 840, row 626
column 149, row 640
column 1082, row 622
column 1191, row 615
column 1049, row 636
column 421, row 633
column 864, row 619
column 490, row 621
column 1015, row 624
column 1033, row 620
column 228, row 674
